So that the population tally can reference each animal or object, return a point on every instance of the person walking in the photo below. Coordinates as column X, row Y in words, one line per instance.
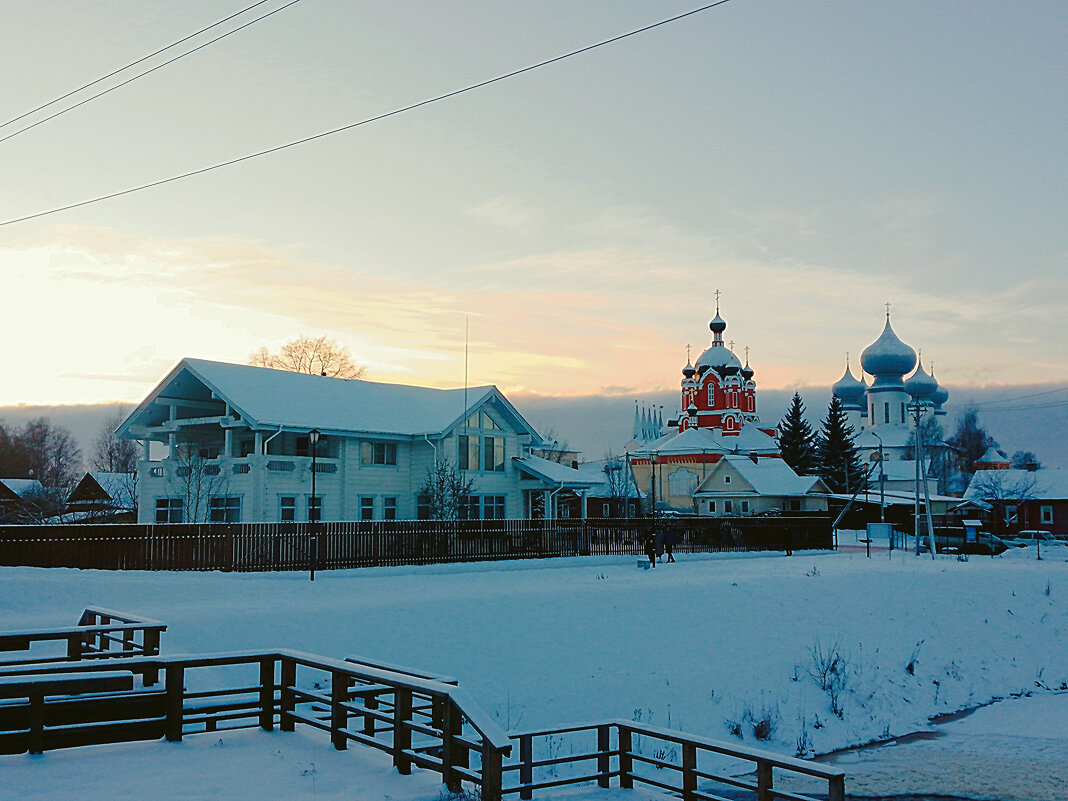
column 670, row 537
column 649, row 542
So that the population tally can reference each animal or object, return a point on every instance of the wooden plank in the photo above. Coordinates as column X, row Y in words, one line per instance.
column 64, row 683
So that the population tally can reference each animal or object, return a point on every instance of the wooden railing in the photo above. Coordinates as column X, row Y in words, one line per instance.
column 631, row 754
column 334, row 545
column 100, row 634
column 420, row 722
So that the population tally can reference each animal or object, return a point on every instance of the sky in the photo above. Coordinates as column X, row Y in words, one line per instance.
column 813, row 161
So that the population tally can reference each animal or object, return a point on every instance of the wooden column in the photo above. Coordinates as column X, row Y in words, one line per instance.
column 526, row 770
column 267, row 693
column 286, row 700
column 451, row 725
column 689, row 766
column 836, row 788
column 151, row 675
column 603, row 762
column 36, row 723
column 175, row 680
column 339, row 716
column 491, row 773
column 626, row 764
column 764, row 781
column 402, row 735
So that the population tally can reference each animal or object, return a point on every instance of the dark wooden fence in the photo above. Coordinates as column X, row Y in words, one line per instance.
column 290, row 546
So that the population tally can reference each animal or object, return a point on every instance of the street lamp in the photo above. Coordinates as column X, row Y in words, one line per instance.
column 652, row 461
column 314, row 508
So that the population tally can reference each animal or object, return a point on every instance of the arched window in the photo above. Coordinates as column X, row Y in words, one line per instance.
column 682, row 483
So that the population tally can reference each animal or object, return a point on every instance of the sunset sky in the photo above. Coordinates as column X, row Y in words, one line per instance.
column 811, row 160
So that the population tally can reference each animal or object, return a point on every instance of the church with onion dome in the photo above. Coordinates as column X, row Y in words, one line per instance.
column 717, row 419
column 882, row 411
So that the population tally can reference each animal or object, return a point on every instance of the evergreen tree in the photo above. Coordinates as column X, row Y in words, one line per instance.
column 970, row 441
column 797, row 440
column 839, row 463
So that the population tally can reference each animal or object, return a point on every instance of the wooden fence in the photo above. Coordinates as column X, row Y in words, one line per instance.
column 292, row 546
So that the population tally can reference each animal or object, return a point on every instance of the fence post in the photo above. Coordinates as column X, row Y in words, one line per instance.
column 370, row 701
column 267, row 693
column 491, row 772
column 836, row 788
column 764, row 781
column 689, row 767
column 451, row 725
column 402, row 735
column 286, row 699
column 626, row 764
column 74, row 647
column 603, row 745
column 35, row 743
column 526, row 771
column 175, row 694
column 151, row 648
column 339, row 716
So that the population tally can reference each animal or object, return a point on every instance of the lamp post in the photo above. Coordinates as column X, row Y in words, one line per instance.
column 652, row 462
column 313, row 525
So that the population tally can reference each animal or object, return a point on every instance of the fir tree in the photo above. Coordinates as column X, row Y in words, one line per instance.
column 797, row 441
column 839, row 463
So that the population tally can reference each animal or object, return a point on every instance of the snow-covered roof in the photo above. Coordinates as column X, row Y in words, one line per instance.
column 118, row 487
column 704, row 440
column 992, row 456
column 770, row 477
column 21, row 486
column 271, row 398
column 554, row 472
column 1049, row 483
column 602, row 487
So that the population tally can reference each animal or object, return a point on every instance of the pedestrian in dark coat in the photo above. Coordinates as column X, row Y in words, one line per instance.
column 670, row 537
column 649, row 542
column 659, row 544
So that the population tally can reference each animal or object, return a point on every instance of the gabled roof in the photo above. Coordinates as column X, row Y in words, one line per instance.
column 554, row 472
column 704, row 440
column 20, row 486
column 1047, row 484
column 267, row 398
column 769, row 477
column 115, row 489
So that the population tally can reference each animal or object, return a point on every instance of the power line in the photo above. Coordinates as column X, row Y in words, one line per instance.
column 146, row 72
column 368, row 120
column 131, row 64
column 1019, row 397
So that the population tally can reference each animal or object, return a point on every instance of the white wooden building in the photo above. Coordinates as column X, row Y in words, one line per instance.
column 236, row 447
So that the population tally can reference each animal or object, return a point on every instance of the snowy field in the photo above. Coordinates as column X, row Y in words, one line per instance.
column 710, row 645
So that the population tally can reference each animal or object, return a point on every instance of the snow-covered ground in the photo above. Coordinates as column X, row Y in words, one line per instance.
column 706, row 645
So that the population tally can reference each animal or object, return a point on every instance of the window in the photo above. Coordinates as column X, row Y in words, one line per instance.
column 469, row 455
column 469, row 508
column 303, row 446
column 795, row 506
column 711, row 396
column 494, row 452
column 225, row 509
column 682, row 482
column 315, row 508
column 711, row 506
column 902, row 412
column 728, row 507
column 1047, row 514
column 422, row 506
column 482, row 420
column 367, row 507
column 169, row 510
column 389, row 508
column 745, row 507
column 245, row 447
column 493, row 507
column 378, row 453
column 287, row 508
column 726, row 479
column 606, row 510
column 1010, row 514
column 886, row 412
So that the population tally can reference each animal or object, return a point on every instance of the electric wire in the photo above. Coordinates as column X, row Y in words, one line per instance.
column 113, row 73
column 368, row 120
column 1020, row 397
column 146, row 72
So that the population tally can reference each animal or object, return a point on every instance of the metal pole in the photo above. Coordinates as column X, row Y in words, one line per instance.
column 313, row 440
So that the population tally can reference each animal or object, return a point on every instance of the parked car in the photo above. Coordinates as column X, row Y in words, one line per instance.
column 987, row 545
column 1032, row 537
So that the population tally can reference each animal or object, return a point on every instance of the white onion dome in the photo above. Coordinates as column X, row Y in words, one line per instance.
column 939, row 396
column 717, row 325
column 920, row 385
column 719, row 358
column 888, row 358
column 849, row 390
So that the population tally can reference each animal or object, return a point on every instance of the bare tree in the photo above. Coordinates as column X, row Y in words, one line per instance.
column 445, row 491
column 1005, row 491
column 52, row 457
column 313, row 355
column 555, row 450
column 196, row 480
column 111, row 454
column 619, row 483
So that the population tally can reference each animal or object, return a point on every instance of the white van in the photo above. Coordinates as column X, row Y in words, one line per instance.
column 1024, row 538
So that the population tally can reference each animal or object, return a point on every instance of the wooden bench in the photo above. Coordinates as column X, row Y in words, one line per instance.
column 36, row 687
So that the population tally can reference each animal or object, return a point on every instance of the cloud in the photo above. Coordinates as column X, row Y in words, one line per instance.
column 508, row 213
